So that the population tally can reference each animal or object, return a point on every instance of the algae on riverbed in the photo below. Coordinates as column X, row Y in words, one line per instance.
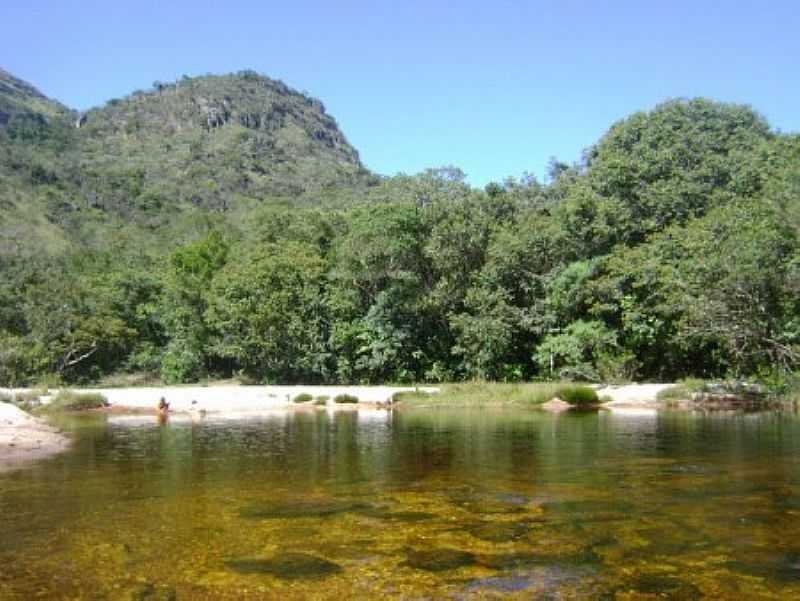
column 439, row 504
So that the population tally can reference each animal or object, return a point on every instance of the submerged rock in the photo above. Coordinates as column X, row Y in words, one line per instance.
column 588, row 511
column 483, row 503
column 784, row 567
column 539, row 581
column 499, row 532
column 506, row 561
column 665, row 587
column 302, row 509
column 147, row 591
column 289, row 566
column 438, row 560
column 408, row 517
column 502, row 584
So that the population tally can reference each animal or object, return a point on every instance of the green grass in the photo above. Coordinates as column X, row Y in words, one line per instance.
column 466, row 394
column 345, row 398
column 68, row 400
column 682, row 391
column 303, row 397
column 578, row 396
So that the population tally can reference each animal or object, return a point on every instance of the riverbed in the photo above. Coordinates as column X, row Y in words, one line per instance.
column 412, row 503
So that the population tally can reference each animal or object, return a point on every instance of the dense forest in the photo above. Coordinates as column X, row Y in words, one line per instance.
column 222, row 226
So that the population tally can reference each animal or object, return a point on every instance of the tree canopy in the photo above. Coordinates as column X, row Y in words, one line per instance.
column 222, row 226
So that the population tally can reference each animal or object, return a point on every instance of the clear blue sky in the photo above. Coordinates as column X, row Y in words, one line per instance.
column 494, row 87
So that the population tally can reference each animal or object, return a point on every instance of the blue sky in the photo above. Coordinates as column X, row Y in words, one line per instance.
column 493, row 87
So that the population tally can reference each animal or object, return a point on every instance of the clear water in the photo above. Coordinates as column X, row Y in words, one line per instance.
column 413, row 504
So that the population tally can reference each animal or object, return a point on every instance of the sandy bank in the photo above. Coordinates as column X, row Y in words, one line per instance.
column 632, row 395
column 24, row 438
column 230, row 399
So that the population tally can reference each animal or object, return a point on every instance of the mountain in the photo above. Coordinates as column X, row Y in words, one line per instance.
column 214, row 143
column 19, row 100
column 205, row 141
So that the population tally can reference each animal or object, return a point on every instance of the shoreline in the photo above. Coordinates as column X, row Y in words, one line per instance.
column 234, row 399
column 24, row 438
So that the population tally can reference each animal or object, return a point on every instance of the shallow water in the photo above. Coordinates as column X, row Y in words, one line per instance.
column 414, row 504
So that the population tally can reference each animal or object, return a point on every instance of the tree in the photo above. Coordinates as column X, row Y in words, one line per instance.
column 267, row 312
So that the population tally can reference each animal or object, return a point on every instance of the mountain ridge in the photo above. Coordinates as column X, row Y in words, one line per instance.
column 213, row 141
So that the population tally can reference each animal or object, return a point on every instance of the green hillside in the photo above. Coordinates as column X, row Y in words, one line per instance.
column 222, row 226
column 212, row 143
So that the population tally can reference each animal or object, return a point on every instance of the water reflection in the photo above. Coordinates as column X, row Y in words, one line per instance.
column 435, row 503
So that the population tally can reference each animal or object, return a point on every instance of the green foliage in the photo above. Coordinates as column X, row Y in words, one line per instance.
column 267, row 313
column 573, row 352
column 578, row 396
column 221, row 226
column 480, row 394
column 675, row 162
column 345, row 399
column 303, row 397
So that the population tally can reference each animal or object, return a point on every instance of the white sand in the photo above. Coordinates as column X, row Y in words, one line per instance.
column 231, row 399
column 632, row 395
column 24, row 438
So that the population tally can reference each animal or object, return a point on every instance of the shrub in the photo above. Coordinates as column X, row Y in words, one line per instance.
column 303, row 397
column 578, row 396
column 345, row 398
column 321, row 399
column 68, row 400
column 5, row 398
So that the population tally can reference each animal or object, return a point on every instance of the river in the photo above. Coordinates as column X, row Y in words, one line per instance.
column 411, row 504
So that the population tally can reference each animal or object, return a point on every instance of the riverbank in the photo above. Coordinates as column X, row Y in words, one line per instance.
column 24, row 438
column 538, row 394
column 232, row 399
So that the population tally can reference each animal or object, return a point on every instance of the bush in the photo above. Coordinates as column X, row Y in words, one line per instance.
column 6, row 398
column 68, row 400
column 321, row 399
column 303, row 397
column 578, row 396
column 345, row 398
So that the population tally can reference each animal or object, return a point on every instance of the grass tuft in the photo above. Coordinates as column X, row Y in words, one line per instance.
column 578, row 396
column 68, row 400
column 480, row 394
column 345, row 398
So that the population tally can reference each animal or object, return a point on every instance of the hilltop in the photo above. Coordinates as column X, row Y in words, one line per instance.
column 212, row 144
column 20, row 101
